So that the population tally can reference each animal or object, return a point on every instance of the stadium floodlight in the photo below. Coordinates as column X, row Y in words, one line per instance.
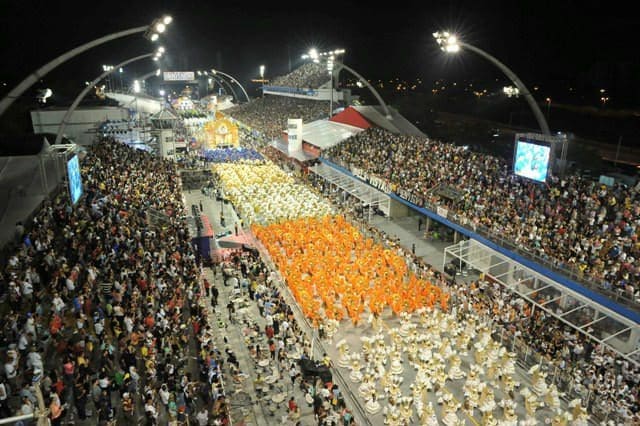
column 136, row 86
column 167, row 20
column 450, row 43
column 262, row 72
column 511, row 91
column 154, row 36
column 160, row 27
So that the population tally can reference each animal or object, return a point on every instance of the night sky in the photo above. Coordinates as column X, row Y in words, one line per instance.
column 548, row 43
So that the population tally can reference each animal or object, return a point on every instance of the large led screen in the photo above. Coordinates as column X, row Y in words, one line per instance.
column 531, row 160
column 75, row 181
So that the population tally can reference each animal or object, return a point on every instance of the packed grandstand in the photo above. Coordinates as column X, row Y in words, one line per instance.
column 95, row 294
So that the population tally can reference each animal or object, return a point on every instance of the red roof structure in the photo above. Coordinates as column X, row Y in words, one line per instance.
column 351, row 117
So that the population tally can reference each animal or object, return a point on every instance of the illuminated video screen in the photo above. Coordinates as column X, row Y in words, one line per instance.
column 75, row 180
column 531, row 160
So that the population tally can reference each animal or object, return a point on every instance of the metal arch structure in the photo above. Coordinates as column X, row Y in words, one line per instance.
column 89, row 87
column 232, row 80
column 339, row 66
column 542, row 122
column 225, row 83
column 35, row 76
column 147, row 75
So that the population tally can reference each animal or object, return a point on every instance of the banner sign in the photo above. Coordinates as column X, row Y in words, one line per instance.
column 294, row 128
column 179, row 76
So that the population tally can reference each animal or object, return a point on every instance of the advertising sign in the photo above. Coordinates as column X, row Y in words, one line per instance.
column 178, row 76
column 294, row 127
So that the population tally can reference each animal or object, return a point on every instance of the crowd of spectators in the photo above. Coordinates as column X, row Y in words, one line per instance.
column 95, row 295
column 574, row 223
column 272, row 333
column 610, row 384
column 231, row 155
column 310, row 75
column 269, row 114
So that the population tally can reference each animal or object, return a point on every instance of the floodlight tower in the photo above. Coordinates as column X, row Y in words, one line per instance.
column 449, row 43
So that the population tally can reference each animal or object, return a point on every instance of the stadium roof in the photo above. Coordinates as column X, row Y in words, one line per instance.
column 164, row 114
column 299, row 155
column 324, row 133
column 396, row 124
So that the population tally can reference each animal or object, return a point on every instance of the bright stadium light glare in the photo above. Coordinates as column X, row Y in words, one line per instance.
column 167, row 20
column 313, row 53
column 136, row 86
column 160, row 27
column 155, row 36
column 448, row 42
column 161, row 49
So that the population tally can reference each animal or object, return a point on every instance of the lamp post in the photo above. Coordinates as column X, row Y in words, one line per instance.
column 152, row 32
column 335, row 69
column 156, row 55
column 548, row 101
column 262, row 78
column 449, row 43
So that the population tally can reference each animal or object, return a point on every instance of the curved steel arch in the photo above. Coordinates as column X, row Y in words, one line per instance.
column 233, row 80
column 542, row 122
column 223, row 83
column 339, row 66
column 35, row 76
column 87, row 89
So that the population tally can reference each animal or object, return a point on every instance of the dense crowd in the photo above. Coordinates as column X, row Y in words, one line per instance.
column 276, row 340
column 230, row 155
column 572, row 222
column 269, row 114
column 310, row 75
column 611, row 384
column 95, row 295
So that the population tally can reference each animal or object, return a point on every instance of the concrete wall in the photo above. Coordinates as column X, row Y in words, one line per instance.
column 143, row 104
column 82, row 124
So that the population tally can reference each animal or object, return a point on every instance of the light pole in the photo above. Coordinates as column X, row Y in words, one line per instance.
column 449, row 43
column 548, row 101
column 156, row 55
column 338, row 66
column 152, row 32
column 603, row 97
column 262, row 78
